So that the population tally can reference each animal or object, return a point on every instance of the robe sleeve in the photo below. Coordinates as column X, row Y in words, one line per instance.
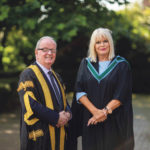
column 123, row 88
column 79, row 85
column 32, row 109
column 76, row 123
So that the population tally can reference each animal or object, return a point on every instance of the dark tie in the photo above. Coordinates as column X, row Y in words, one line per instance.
column 55, row 88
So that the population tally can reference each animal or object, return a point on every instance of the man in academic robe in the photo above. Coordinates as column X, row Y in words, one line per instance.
column 44, row 109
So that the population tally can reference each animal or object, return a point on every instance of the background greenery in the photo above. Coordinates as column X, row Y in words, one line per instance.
column 23, row 22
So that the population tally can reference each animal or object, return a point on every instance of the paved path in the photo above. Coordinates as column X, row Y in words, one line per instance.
column 9, row 131
column 142, row 122
column 9, row 126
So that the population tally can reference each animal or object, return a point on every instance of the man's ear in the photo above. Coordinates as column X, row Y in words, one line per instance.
column 35, row 52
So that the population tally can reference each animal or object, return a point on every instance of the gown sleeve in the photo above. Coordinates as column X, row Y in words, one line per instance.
column 75, row 124
column 79, row 85
column 123, row 88
column 124, row 115
column 32, row 109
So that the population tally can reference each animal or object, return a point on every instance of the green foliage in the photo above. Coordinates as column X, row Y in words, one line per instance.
column 23, row 22
column 4, row 12
column 139, row 18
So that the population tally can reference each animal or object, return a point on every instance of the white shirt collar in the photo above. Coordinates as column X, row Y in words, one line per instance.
column 43, row 68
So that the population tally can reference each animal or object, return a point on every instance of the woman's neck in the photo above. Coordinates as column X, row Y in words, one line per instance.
column 103, row 58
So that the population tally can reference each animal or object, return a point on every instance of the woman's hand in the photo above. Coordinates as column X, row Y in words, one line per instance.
column 98, row 116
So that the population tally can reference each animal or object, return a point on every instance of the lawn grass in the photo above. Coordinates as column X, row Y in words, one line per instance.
column 141, row 105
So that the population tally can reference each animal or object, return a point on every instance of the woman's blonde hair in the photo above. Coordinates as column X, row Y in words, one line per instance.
column 97, row 34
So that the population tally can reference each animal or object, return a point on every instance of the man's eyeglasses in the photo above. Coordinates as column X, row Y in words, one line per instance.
column 46, row 50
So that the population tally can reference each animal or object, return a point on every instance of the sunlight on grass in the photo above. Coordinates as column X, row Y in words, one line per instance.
column 12, row 115
column 141, row 100
column 141, row 107
column 8, row 131
column 3, row 120
column 140, row 117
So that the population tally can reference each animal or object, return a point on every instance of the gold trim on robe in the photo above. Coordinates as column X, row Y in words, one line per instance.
column 49, row 104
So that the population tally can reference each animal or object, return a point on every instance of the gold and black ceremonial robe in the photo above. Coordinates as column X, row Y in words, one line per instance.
column 40, row 111
column 116, row 132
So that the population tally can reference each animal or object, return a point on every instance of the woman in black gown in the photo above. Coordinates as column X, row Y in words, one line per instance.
column 102, row 106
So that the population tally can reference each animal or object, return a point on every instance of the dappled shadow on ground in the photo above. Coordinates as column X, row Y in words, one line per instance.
column 9, row 125
column 141, row 107
column 9, row 131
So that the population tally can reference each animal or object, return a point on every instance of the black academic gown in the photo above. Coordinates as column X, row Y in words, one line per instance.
column 116, row 133
column 40, row 111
